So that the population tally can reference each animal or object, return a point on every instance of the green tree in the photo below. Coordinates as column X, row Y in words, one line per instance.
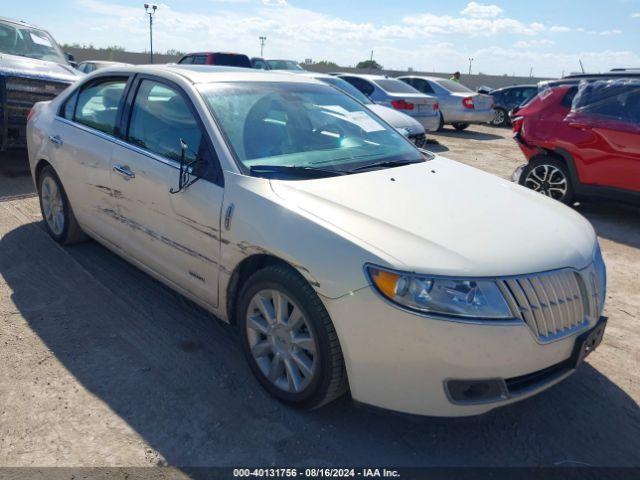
column 326, row 63
column 369, row 64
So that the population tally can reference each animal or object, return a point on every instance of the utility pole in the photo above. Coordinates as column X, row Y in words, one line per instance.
column 371, row 62
column 151, row 11
column 470, row 62
column 262, row 42
column 531, row 72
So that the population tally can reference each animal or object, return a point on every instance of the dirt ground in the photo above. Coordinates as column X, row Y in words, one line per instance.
column 100, row 365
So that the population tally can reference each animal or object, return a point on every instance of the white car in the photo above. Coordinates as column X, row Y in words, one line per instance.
column 348, row 258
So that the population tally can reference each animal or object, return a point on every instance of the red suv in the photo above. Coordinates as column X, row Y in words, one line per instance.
column 582, row 138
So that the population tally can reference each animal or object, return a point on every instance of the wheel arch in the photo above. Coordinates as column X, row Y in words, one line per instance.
column 243, row 271
column 565, row 157
column 40, row 165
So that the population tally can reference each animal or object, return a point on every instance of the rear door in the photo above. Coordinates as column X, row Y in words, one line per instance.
column 173, row 232
column 608, row 139
column 84, row 134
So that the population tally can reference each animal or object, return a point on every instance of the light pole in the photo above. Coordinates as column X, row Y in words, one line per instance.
column 150, row 10
column 262, row 41
column 470, row 62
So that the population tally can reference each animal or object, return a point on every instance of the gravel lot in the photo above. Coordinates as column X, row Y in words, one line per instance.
column 100, row 365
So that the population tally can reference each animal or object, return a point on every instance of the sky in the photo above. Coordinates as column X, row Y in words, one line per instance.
column 542, row 37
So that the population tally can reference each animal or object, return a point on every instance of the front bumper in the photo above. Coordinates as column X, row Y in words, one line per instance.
column 402, row 361
column 468, row 116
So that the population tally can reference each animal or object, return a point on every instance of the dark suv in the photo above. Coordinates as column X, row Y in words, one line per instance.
column 581, row 137
column 216, row 58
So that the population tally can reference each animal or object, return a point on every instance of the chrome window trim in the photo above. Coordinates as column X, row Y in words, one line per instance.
column 120, row 142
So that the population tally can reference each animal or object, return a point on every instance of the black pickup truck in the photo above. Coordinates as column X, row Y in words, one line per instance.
column 32, row 69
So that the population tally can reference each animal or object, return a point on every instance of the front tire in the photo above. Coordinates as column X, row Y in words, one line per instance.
column 289, row 340
column 500, row 118
column 460, row 126
column 59, row 220
column 550, row 177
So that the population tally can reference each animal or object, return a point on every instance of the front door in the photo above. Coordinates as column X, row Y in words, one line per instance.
column 174, row 234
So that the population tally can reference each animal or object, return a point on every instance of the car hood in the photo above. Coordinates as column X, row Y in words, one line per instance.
column 445, row 218
column 396, row 119
column 34, row 68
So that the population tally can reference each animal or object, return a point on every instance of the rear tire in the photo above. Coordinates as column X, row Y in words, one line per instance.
column 294, row 355
column 460, row 126
column 550, row 177
column 59, row 220
column 441, row 124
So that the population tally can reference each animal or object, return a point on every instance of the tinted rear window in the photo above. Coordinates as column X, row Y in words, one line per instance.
column 395, row 86
column 231, row 60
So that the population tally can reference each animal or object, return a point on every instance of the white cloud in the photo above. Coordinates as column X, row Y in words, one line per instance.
column 274, row 3
column 543, row 42
column 478, row 10
column 444, row 24
column 635, row 15
column 559, row 29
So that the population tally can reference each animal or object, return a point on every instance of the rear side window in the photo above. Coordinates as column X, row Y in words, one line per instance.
column 98, row 104
column 231, row 60
column 187, row 60
column 200, row 60
column 259, row 64
column 423, row 86
column 395, row 86
column 362, row 85
column 614, row 100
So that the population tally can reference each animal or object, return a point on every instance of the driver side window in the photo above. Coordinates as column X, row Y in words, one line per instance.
column 160, row 118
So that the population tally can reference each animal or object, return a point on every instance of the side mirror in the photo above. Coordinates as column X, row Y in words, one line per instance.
column 71, row 59
column 190, row 172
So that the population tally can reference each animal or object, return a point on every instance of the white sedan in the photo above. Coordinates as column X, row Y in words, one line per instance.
column 348, row 258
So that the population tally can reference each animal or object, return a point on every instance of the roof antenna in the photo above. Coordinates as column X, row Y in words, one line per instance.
column 581, row 65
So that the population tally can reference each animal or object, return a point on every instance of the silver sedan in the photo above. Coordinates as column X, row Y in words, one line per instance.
column 459, row 105
column 397, row 95
column 405, row 124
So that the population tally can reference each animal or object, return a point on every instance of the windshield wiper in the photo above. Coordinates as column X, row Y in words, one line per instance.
column 278, row 171
column 385, row 164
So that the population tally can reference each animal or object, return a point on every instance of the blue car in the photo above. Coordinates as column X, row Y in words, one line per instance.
column 508, row 98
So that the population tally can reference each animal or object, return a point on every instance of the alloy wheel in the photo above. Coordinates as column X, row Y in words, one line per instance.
column 52, row 205
column 281, row 341
column 498, row 117
column 548, row 180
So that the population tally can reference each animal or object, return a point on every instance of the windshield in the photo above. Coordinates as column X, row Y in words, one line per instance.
column 395, row 86
column 283, row 65
column 302, row 125
column 347, row 88
column 29, row 42
column 453, row 86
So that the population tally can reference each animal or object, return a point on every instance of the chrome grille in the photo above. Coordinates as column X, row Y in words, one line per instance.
column 552, row 304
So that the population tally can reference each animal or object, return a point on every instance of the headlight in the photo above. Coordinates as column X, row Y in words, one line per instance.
column 468, row 298
column 600, row 271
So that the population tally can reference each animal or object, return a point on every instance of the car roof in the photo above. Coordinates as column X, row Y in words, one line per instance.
column 528, row 85
column 21, row 22
column 197, row 74
column 104, row 62
column 368, row 76
column 215, row 53
column 576, row 78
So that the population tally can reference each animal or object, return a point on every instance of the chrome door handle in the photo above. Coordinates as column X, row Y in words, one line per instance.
column 124, row 171
column 55, row 139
